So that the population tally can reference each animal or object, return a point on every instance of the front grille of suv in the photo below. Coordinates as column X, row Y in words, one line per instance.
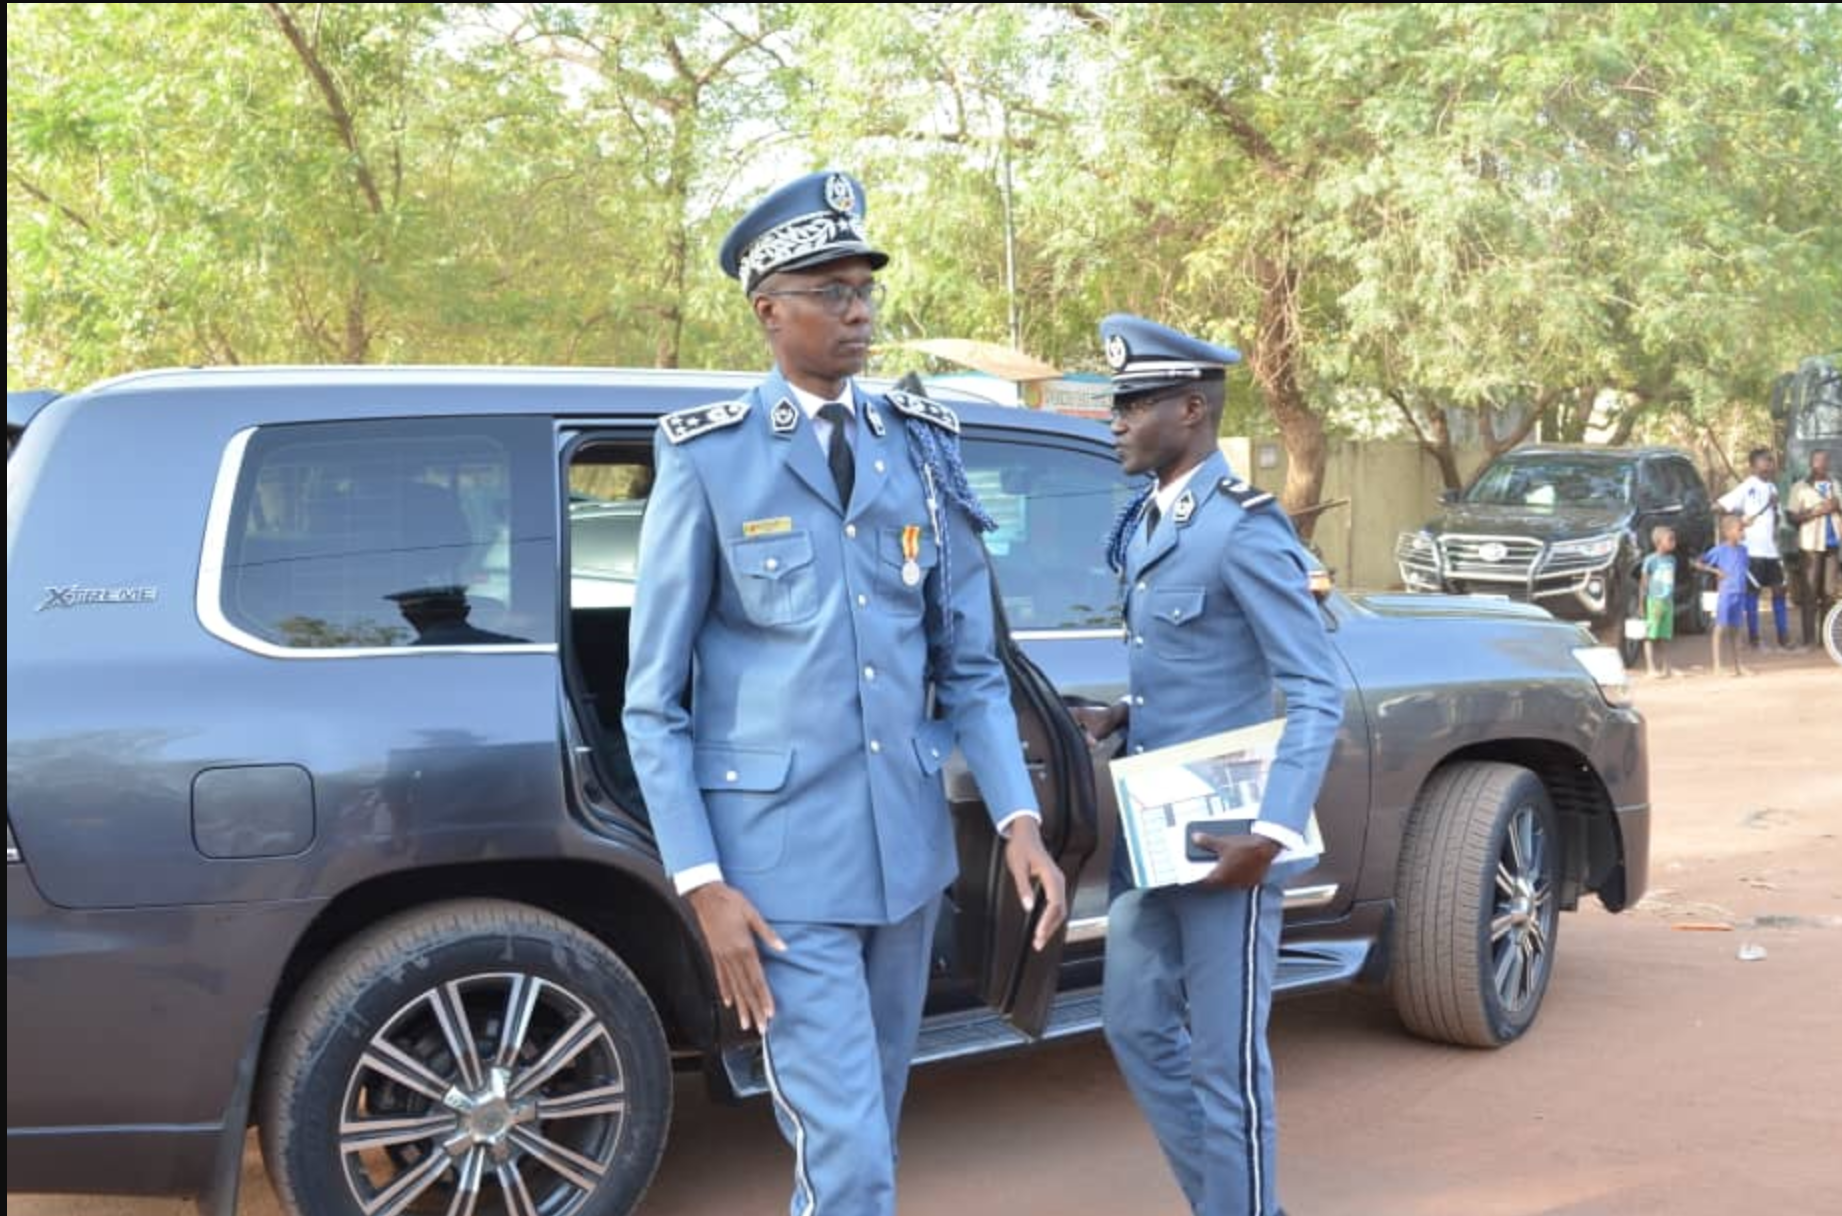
column 1490, row 558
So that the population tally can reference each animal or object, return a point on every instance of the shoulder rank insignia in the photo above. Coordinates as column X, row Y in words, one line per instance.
column 1246, row 496
column 922, row 408
column 702, row 419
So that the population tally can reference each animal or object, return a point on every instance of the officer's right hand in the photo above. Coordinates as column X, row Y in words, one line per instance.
column 731, row 925
column 1099, row 721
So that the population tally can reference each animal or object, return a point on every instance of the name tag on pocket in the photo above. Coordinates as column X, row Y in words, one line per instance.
column 767, row 527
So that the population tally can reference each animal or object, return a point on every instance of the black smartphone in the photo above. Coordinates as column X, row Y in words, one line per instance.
column 1213, row 827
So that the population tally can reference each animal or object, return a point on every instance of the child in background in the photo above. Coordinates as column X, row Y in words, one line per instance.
column 1728, row 561
column 1657, row 592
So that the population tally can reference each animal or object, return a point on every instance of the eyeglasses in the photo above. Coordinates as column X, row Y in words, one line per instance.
column 1138, row 407
column 836, row 298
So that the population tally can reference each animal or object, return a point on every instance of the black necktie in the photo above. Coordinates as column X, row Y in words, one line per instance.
column 838, row 455
column 1152, row 516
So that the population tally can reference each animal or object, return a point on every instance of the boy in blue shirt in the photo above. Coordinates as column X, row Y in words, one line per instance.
column 1657, row 592
column 1728, row 560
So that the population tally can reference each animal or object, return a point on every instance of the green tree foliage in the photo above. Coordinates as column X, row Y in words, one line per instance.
column 1605, row 219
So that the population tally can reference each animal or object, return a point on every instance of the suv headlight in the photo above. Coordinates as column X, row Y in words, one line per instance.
column 1590, row 547
column 1607, row 669
column 1416, row 555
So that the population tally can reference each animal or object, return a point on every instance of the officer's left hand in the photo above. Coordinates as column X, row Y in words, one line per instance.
column 1030, row 865
column 1240, row 861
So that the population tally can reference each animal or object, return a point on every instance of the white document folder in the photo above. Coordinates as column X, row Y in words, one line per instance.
column 1163, row 794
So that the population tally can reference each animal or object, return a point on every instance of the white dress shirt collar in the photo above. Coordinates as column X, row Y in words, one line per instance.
column 1167, row 495
column 811, row 403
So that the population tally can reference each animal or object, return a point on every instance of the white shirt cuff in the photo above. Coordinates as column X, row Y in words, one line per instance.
column 689, row 880
column 1287, row 839
column 1004, row 824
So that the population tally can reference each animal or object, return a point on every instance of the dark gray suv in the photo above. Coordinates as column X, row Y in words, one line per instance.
column 319, row 817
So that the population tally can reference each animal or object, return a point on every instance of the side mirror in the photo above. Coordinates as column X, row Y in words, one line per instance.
column 1448, row 497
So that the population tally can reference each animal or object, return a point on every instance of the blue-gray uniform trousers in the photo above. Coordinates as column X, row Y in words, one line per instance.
column 847, row 1010
column 1189, row 977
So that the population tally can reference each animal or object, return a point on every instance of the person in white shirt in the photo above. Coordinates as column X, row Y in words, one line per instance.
column 1755, row 501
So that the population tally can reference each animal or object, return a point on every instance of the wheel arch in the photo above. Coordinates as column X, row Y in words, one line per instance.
column 1594, row 853
column 624, row 911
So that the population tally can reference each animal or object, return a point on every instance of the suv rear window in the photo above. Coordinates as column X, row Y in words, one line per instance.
column 394, row 534
column 1054, row 507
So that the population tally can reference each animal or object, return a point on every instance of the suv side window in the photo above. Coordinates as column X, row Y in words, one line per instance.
column 1655, row 486
column 399, row 533
column 1054, row 507
column 1685, row 485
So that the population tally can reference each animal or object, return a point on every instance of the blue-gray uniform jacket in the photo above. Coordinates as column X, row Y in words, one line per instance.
column 806, row 764
column 1218, row 611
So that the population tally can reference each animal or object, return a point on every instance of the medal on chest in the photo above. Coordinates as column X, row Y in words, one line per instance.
column 911, row 555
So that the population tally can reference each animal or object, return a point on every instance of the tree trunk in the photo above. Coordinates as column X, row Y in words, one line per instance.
column 1274, row 361
column 1575, row 416
column 357, row 330
column 1494, row 444
column 1443, row 451
column 675, row 273
column 1435, row 436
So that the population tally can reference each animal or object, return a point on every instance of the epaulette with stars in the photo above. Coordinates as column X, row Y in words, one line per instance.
column 1243, row 494
column 922, row 408
column 701, row 420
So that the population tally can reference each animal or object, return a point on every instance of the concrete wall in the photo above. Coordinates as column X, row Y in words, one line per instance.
column 1391, row 484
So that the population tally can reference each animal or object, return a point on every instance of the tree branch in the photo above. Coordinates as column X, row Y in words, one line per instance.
column 1395, row 395
column 32, row 188
column 1252, row 139
column 335, row 103
column 744, row 42
column 1542, row 404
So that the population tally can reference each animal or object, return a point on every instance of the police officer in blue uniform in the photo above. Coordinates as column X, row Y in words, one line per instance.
column 1218, row 614
column 810, row 570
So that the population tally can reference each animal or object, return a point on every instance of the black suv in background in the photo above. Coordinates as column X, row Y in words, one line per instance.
column 1565, row 527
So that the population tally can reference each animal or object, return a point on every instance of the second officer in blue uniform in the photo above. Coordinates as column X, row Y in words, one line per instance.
column 1218, row 615
column 810, row 569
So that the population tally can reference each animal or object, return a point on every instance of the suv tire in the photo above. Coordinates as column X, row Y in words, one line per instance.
column 1627, row 603
column 393, row 1081
column 1479, row 908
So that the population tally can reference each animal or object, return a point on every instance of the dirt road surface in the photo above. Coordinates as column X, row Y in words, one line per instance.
column 1665, row 1077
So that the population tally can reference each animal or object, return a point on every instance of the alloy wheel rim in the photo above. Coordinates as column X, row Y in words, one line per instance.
column 498, row 1094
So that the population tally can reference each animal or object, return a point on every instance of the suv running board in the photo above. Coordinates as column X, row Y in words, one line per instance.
column 1306, row 967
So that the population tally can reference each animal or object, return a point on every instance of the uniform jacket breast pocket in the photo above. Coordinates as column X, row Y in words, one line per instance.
column 1177, row 627
column 775, row 578
column 748, row 814
column 898, row 594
